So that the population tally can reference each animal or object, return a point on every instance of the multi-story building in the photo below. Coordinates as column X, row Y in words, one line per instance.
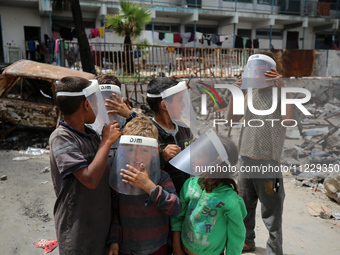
column 279, row 24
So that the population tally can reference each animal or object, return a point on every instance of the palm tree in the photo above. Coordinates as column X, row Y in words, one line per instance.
column 86, row 58
column 129, row 22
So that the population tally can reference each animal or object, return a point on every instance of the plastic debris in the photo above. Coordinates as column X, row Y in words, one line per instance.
column 336, row 216
column 48, row 244
column 34, row 151
column 21, row 158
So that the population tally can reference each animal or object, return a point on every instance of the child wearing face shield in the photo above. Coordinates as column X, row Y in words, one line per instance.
column 78, row 156
column 262, row 147
column 211, row 220
column 145, row 195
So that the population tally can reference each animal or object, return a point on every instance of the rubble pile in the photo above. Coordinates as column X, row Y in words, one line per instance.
column 315, row 161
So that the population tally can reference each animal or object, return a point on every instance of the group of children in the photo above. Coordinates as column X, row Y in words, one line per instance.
column 130, row 204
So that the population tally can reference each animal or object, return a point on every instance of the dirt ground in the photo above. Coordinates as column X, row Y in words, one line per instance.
column 27, row 199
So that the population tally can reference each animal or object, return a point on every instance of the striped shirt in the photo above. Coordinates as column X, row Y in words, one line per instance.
column 143, row 223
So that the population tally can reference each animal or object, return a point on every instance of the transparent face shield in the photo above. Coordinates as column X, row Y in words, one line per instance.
column 95, row 98
column 253, row 75
column 178, row 104
column 107, row 90
column 134, row 151
column 204, row 157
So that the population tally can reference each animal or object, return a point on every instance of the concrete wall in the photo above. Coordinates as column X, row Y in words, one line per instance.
column 13, row 21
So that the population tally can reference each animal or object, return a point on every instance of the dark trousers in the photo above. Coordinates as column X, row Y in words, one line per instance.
column 268, row 188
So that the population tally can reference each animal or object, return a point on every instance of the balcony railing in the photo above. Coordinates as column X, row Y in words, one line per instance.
column 145, row 61
column 313, row 8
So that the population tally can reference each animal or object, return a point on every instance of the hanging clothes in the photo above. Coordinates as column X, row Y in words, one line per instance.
column 192, row 37
column 177, row 38
column 169, row 38
column 185, row 37
column 207, row 37
column 94, row 33
column 256, row 43
column 101, row 31
column 239, row 42
column 223, row 38
column 199, row 36
column 215, row 39
column 161, row 36
column 249, row 44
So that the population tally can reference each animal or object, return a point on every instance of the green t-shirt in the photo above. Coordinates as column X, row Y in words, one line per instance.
column 209, row 222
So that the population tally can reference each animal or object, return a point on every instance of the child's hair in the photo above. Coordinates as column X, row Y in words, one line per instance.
column 156, row 86
column 69, row 105
column 109, row 79
column 141, row 126
column 209, row 184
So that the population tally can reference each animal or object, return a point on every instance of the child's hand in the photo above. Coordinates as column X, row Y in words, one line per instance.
column 276, row 77
column 170, row 151
column 114, row 249
column 139, row 179
column 238, row 82
column 111, row 132
column 119, row 107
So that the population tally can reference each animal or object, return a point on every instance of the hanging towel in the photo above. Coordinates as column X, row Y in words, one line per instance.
column 223, row 38
column 101, row 31
column 185, row 37
column 177, row 38
column 169, row 38
column 199, row 35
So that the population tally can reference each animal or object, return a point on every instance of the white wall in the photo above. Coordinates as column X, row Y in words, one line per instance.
column 13, row 21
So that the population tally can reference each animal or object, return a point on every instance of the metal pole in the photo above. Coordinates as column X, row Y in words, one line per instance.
column 235, row 5
column 303, row 38
column 152, row 27
column 234, row 34
column 195, row 34
column 270, row 36
column 272, row 10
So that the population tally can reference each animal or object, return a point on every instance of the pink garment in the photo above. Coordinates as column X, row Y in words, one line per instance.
column 94, row 33
column 57, row 46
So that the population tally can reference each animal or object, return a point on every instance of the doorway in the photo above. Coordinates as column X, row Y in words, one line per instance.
column 292, row 40
column 32, row 33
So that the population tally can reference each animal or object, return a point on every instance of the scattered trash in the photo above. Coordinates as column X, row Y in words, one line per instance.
column 45, row 170
column 44, row 182
column 3, row 177
column 34, row 151
column 48, row 244
column 21, row 158
column 336, row 216
column 320, row 210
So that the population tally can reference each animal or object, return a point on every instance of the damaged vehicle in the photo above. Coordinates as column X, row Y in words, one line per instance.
column 27, row 97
